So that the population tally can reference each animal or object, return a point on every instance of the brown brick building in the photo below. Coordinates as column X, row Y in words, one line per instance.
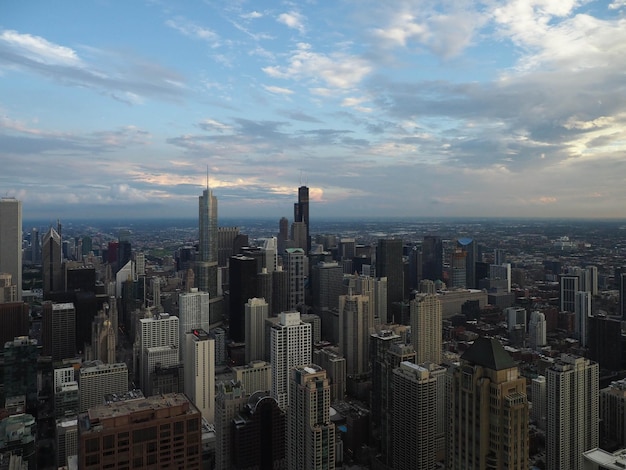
column 157, row 432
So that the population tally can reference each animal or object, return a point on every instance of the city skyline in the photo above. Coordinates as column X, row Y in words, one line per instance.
column 427, row 109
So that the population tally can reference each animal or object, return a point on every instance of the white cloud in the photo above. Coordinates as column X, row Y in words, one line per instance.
column 278, row 90
column 293, row 20
column 193, row 30
column 252, row 15
column 336, row 70
column 39, row 49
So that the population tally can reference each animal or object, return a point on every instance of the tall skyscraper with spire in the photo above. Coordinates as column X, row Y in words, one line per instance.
column 206, row 265
column 301, row 213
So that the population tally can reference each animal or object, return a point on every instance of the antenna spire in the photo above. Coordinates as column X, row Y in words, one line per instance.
column 207, row 177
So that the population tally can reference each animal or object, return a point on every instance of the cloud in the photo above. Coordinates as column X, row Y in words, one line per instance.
column 193, row 30
column 293, row 20
column 122, row 77
column 278, row 90
column 253, row 15
column 336, row 70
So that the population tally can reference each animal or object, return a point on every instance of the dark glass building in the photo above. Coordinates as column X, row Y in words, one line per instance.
column 242, row 286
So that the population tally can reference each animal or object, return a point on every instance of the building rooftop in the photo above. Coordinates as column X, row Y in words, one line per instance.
column 489, row 353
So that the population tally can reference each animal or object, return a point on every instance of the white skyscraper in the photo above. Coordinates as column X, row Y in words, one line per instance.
column 11, row 241
column 158, row 343
column 193, row 313
column 537, row 330
column 200, row 372
column 290, row 346
column 96, row 381
column 354, row 332
column 426, row 328
column 571, row 411
column 256, row 311
column 310, row 432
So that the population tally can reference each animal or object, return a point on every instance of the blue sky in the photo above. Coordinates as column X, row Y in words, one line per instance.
column 403, row 108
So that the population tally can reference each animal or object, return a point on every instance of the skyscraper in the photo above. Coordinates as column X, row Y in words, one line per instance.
column 432, row 258
column 310, row 433
column 488, row 426
column 158, row 344
column 11, row 241
column 354, row 332
column 572, row 411
column 243, row 286
column 193, row 313
column 206, row 266
column 52, row 258
column 389, row 264
column 414, row 417
column 59, row 330
column 290, row 346
column 200, row 372
column 582, row 312
column 20, row 369
column 295, row 260
column 470, row 247
column 426, row 328
column 230, row 400
column 568, row 286
column 301, row 213
column 537, row 330
column 96, row 380
column 256, row 312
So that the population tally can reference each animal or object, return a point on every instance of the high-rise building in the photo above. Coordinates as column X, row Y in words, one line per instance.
column 334, row 364
column 206, row 264
column 226, row 241
column 310, row 433
column 66, row 440
column 11, row 241
column 280, row 291
column 200, row 372
column 295, row 261
column 432, row 258
column 158, row 344
column 20, row 369
column 256, row 312
column 51, row 265
column 582, row 312
column 426, row 328
column 8, row 290
column 539, row 401
column 414, row 417
column 568, row 286
column 104, row 334
column 230, row 400
column 326, row 285
column 97, row 380
column 354, row 331
column 255, row 376
column 612, row 417
column 458, row 268
column 59, row 330
column 572, row 411
column 389, row 264
column 259, row 434
column 488, row 426
column 14, row 320
column 290, row 346
column 162, row 431
column 301, row 213
column 243, row 286
column 622, row 295
column 537, row 330
column 376, row 290
column 591, row 279
column 193, row 313
column 470, row 247
column 501, row 272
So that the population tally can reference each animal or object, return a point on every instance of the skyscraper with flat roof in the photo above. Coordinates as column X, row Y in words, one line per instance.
column 414, row 417
column 426, row 327
column 432, row 258
column 59, row 330
column 295, row 260
column 310, row 433
column 11, row 241
column 389, row 264
column 256, row 311
column 193, row 313
column 290, row 346
column 354, row 332
column 199, row 371
column 572, row 384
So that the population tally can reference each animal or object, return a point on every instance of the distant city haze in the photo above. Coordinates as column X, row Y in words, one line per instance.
column 423, row 109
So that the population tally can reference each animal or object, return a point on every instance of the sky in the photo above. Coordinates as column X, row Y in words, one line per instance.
column 442, row 108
